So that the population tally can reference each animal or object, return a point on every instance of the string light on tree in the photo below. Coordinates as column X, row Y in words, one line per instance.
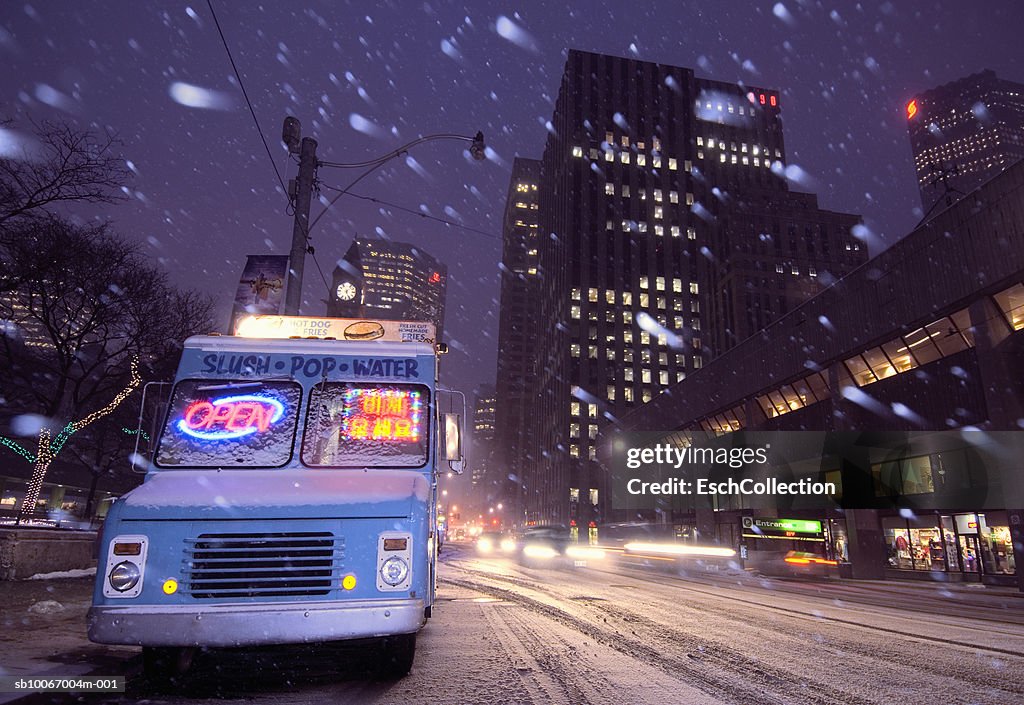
column 48, row 450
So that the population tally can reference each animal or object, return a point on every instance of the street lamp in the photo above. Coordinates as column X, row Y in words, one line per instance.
column 301, row 194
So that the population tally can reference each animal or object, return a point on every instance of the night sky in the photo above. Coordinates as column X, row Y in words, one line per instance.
column 366, row 77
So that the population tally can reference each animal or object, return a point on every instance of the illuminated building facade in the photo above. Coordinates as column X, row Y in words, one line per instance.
column 517, row 329
column 964, row 133
column 916, row 341
column 667, row 233
column 483, row 454
column 389, row 280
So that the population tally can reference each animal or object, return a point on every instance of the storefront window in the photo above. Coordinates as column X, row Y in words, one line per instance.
column 996, row 546
column 897, row 542
column 926, row 545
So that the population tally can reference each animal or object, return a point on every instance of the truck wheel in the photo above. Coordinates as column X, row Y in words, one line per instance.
column 399, row 652
column 162, row 665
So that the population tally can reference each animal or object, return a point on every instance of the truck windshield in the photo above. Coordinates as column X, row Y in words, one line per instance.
column 224, row 424
column 367, row 425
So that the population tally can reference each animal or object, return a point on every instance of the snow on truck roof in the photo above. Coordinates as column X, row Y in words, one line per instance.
column 306, row 346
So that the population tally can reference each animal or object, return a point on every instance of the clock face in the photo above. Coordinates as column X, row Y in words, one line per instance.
column 346, row 291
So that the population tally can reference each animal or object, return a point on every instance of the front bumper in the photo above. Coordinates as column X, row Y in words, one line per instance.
column 250, row 624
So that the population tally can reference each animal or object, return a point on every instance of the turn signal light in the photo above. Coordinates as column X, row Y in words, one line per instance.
column 127, row 549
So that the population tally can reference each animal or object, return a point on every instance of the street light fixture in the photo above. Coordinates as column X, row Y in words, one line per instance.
column 302, row 193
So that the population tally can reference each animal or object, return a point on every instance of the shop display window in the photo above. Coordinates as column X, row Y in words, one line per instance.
column 996, row 545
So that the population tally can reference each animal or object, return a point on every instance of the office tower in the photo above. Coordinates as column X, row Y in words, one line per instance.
column 962, row 134
column 663, row 203
column 482, row 454
column 517, row 328
column 389, row 280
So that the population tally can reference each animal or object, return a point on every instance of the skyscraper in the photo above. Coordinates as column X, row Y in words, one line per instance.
column 482, row 454
column 963, row 133
column 390, row 280
column 667, row 233
column 517, row 330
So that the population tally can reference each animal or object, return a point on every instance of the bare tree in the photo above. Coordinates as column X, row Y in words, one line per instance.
column 64, row 165
column 87, row 319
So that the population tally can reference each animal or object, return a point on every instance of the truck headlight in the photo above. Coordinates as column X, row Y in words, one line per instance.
column 124, row 576
column 394, row 571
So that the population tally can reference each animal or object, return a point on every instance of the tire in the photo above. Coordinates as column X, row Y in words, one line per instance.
column 397, row 657
column 163, row 666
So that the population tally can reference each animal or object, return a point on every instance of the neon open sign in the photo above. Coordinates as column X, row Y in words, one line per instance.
column 381, row 414
column 230, row 417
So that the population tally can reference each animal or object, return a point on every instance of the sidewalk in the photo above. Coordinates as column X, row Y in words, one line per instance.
column 38, row 638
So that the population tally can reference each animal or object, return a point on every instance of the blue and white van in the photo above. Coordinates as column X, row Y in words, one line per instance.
column 292, row 497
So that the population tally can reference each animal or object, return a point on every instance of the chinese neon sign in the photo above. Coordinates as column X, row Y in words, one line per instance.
column 230, row 417
column 382, row 414
column 911, row 109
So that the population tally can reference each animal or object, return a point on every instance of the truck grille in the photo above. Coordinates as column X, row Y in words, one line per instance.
column 262, row 564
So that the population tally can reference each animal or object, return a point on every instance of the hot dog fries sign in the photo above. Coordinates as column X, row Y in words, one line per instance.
column 339, row 328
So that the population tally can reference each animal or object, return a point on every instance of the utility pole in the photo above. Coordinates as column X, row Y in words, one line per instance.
column 300, row 229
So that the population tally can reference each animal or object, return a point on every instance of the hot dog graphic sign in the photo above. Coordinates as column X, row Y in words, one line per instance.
column 339, row 328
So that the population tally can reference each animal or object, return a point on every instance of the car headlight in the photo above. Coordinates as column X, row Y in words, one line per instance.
column 394, row 570
column 124, row 576
column 484, row 545
column 508, row 545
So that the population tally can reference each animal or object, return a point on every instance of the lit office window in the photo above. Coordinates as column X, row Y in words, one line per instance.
column 675, row 231
column 694, row 289
column 592, row 295
column 659, row 283
column 574, row 349
column 659, row 230
column 609, row 188
column 574, row 408
column 577, row 151
column 645, row 376
column 575, row 312
column 663, row 378
column 627, row 298
column 658, row 213
column 627, row 394
column 677, row 285
column 574, row 430
column 672, row 164
column 673, row 197
column 641, row 160
column 643, row 282
column 627, row 374
column 575, row 294
column 645, row 301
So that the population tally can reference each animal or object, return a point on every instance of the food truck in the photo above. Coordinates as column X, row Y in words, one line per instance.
column 291, row 496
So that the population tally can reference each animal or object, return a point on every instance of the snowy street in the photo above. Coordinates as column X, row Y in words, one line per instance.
column 506, row 633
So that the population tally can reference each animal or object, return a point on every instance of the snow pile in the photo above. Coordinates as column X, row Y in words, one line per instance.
column 73, row 573
column 46, row 607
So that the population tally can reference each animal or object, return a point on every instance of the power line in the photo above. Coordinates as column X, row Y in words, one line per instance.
column 238, row 76
column 411, row 211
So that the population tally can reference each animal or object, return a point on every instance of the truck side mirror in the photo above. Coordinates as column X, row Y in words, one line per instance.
column 452, row 439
